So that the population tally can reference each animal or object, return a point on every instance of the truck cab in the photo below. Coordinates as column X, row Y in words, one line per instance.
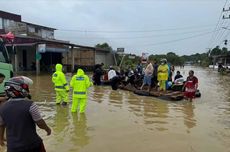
column 5, row 65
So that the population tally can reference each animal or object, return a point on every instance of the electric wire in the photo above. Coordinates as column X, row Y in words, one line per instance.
column 214, row 35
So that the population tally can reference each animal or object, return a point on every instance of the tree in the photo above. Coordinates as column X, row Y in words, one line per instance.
column 104, row 46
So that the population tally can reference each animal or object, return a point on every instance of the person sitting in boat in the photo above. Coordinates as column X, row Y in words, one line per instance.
column 178, row 82
column 131, row 78
column 191, row 86
column 139, row 68
column 177, row 76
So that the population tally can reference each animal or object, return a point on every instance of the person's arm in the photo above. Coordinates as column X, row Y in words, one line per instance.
column 196, row 84
column 42, row 124
column 164, row 70
column 64, row 82
column 3, row 99
column 36, row 116
column 72, row 81
column 183, row 88
column 2, row 131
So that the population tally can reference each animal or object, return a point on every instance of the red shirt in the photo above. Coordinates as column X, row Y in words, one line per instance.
column 190, row 84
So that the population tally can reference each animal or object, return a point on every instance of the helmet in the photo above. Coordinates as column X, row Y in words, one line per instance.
column 18, row 87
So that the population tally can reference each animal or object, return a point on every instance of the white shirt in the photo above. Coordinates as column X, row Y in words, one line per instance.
column 111, row 74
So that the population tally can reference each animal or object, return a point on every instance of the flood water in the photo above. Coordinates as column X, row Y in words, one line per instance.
column 119, row 120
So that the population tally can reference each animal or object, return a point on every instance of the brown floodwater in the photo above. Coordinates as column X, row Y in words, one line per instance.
column 119, row 120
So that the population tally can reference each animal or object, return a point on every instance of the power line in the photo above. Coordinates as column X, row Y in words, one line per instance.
column 131, row 31
column 139, row 37
column 185, row 38
column 216, row 27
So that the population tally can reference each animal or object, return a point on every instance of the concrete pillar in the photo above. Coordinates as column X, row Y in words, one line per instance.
column 37, row 62
column 72, row 63
column 95, row 56
column 67, row 55
column 16, row 59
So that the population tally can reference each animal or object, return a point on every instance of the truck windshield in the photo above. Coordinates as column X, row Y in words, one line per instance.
column 3, row 53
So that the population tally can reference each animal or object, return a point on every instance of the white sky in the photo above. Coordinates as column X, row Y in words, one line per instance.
column 154, row 26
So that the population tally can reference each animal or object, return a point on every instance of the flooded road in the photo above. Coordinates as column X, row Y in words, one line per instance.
column 122, row 121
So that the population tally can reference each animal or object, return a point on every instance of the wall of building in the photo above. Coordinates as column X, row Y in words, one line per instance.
column 104, row 57
column 30, row 57
column 83, row 57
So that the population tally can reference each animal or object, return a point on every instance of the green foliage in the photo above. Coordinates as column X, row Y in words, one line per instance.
column 104, row 46
column 128, row 63
column 171, row 57
column 218, row 51
column 202, row 59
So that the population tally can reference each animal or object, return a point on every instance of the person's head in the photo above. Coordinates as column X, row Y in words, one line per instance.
column 2, row 77
column 178, row 72
column 111, row 67
column 191, row 73
column 18, row 87
column 58, row 67
column 80, row 72
column 163, row 61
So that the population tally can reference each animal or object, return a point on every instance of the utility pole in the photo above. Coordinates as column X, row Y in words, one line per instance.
column 226, row 12
column 226, row 16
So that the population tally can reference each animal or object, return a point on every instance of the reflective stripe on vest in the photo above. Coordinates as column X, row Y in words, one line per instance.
column 75, row 92
column 80, row 78
column 59, row 87
column 65, row 84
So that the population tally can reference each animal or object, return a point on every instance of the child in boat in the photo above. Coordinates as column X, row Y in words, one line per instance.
column 190, row 86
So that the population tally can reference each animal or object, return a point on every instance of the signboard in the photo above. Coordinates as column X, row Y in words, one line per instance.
column 120, row 50
column 42, row 48
column 144, row 58
column 132, row 56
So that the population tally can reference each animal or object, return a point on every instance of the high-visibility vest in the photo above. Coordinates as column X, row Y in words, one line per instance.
column 59, row 80
column 80, row 83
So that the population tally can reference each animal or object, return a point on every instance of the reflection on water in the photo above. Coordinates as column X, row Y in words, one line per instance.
column 189, row 120
column 122, row 121
column 79, row 132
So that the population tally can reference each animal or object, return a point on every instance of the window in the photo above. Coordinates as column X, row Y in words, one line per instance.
column 36, row 30
column 1, row 26
column 31, row 29
column 3, row 53
column 6, row 23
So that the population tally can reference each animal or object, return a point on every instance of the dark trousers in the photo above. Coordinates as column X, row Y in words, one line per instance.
column 97, row 80
column 114, row 83
column 40, row 148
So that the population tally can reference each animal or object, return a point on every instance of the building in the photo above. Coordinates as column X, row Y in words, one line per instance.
column 87, row 57
column 35, row 47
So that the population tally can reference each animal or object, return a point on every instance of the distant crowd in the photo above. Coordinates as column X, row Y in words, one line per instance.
column 157, row 77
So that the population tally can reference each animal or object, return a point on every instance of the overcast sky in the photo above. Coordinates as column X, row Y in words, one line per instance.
column 154, row 26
